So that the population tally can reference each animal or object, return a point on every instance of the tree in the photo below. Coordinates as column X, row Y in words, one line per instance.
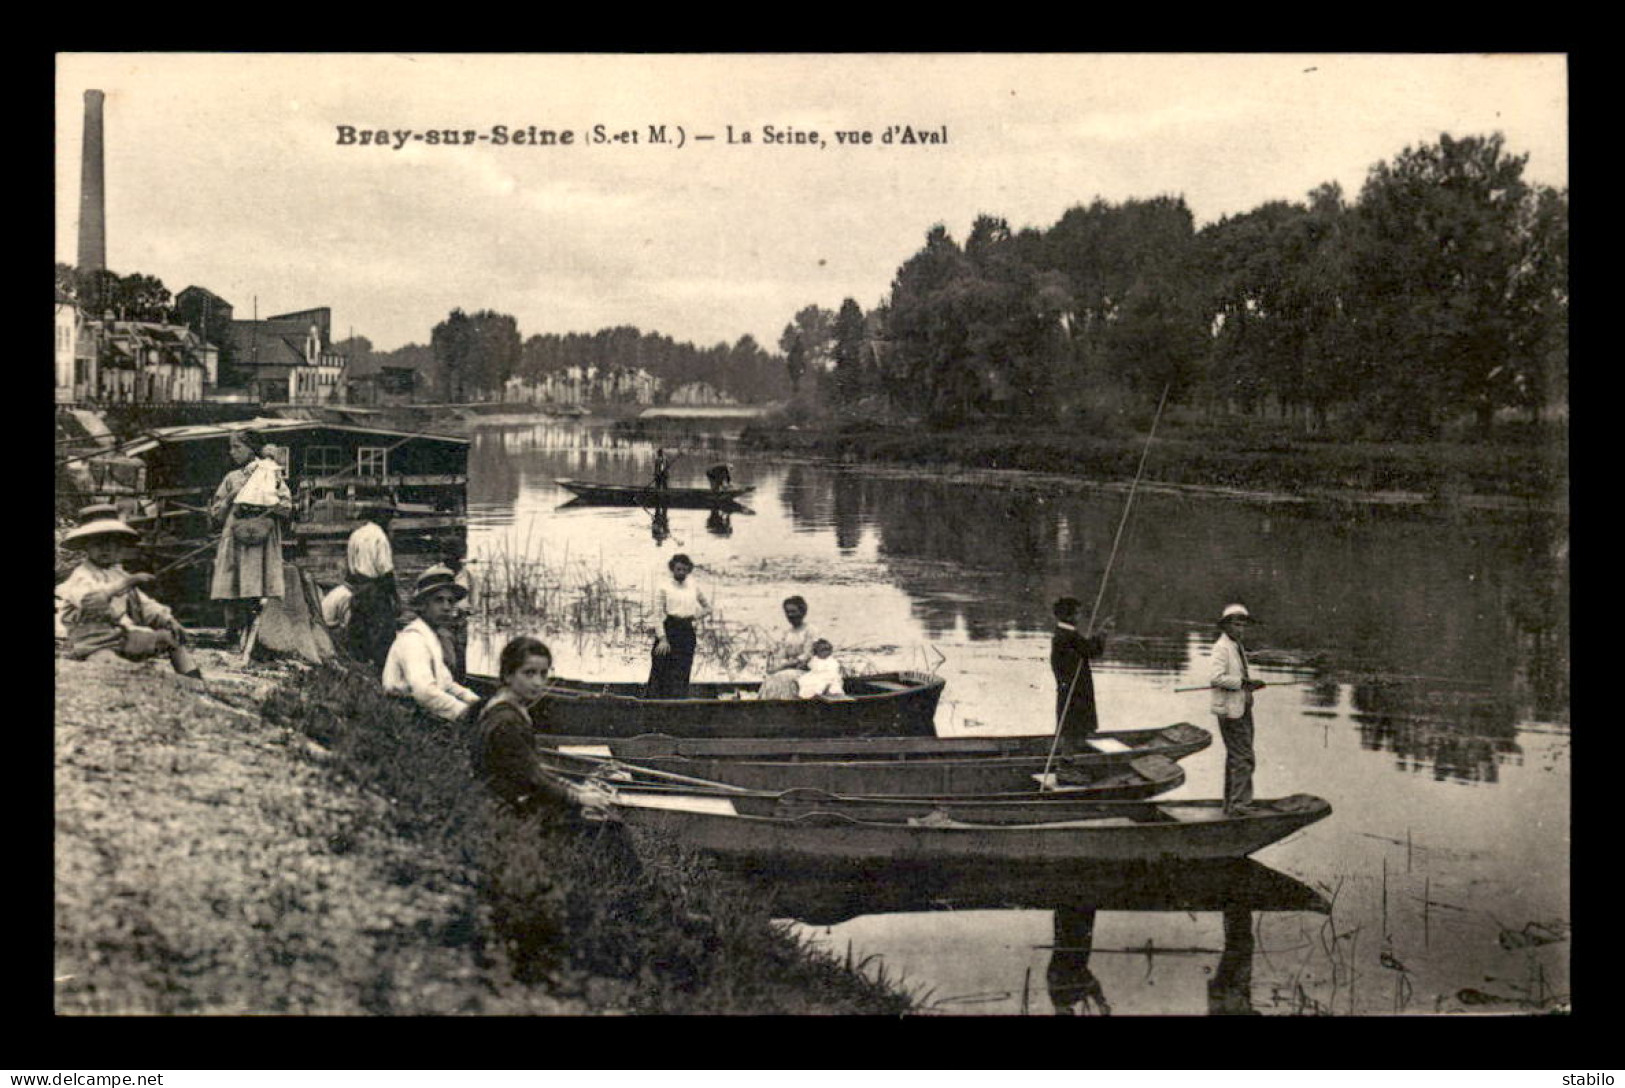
column 848, row 335
column 795, row 360
column 1439, row 255
column 452, row 342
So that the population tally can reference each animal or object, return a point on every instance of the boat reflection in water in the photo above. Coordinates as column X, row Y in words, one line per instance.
column 1075, row 895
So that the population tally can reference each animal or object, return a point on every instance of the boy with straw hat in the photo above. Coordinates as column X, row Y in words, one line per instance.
column 416, row 667
column 104, row 611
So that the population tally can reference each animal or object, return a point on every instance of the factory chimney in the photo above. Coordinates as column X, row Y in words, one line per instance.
column 92, row 194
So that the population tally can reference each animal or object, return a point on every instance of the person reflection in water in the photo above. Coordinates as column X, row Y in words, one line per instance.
column 1230, row 990
column 660, row 525
column 719, row 522
column 1073, row 988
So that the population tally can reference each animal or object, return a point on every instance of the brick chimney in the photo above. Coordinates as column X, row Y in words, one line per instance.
column 92, row 194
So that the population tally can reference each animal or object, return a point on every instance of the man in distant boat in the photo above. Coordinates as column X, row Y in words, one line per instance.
column 370, row 570
column 1233, row 705
column 721, row 475
column 662, row 470
column 1069, row 655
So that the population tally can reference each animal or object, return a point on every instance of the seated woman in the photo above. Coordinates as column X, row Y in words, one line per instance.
column 789, row 657
column 505, row 739
column 417, row 667
column 105, row 614
column 823, row 675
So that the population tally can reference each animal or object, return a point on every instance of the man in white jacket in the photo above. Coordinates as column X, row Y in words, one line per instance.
column 1233, row 705
column 416, row 667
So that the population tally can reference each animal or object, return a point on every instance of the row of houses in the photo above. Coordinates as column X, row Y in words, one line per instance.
column 205, row 354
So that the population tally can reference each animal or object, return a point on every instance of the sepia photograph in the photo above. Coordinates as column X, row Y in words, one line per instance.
column 869, row 534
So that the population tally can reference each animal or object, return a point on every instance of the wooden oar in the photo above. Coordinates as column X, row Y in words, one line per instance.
column 1072, row 686
column 601, row 761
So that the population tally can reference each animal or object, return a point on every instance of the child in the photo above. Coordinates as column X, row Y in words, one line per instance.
column 823, row 675
column 504, row 739
column 103, row 611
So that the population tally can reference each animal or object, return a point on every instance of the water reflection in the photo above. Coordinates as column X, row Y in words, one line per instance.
column 1076, row 896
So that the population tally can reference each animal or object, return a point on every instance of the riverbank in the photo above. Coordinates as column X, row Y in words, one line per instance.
column 289, row 841
column 1251, row 463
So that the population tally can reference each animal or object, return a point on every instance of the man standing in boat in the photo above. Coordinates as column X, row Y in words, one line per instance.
column 1069, row 655
column 662, row 470
column 1233, row 705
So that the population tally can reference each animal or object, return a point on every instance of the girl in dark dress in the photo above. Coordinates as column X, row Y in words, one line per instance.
column 504, row 737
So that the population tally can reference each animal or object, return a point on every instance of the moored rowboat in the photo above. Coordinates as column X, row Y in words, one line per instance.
column 1115, row 831
column 600, row 494
column 898, row 766
column 891, row 704
column 1143, row 777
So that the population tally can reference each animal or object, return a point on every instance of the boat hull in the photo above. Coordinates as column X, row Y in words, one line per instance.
column 900, row 704
column 1116, row 831
column 888, row 767
column 596, row 494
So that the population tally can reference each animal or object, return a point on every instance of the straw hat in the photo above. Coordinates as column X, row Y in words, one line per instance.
column 98, row 512
column 104, row 526
column 1236, row 612
column 437, row 577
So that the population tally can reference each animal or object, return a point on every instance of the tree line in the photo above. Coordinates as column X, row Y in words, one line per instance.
column 1442, row 291
column 471, row 356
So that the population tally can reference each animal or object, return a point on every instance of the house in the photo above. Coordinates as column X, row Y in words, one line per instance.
column 699, row 394
column 580, row 385
column 287, row 358
column 147, row 362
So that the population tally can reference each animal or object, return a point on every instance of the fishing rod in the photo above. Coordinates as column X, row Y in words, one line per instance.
column 1072, row 686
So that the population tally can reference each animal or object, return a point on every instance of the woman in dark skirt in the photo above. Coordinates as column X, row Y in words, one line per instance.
column 680, row 602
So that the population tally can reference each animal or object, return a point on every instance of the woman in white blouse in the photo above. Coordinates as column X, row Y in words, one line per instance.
column 680, row 602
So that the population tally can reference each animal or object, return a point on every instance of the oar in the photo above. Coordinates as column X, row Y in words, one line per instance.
column 601, row 761
column 1072, row 685
column 1272, row 683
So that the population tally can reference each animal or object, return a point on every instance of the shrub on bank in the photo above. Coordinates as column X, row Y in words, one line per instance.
column 571, row 908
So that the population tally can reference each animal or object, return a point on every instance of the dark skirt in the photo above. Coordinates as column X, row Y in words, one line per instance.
column 373, row 612
column 669, row 672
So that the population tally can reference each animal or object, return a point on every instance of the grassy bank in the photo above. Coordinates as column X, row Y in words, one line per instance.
column 333, row 855
column 1247, row 457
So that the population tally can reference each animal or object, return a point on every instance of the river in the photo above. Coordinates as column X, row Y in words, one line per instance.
column 1418, row 670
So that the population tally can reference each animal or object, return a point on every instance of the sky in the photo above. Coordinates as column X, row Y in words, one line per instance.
column 231, row 171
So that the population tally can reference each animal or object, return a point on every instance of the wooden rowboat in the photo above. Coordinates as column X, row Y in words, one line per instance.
column 600, row 494
column 891, row 704
column 901, row 766
column 923, row 833
column 1145, row 777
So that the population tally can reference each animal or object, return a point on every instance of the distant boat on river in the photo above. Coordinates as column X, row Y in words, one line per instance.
column 588, row 493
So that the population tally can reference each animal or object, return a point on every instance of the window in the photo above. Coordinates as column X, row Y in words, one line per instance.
column 324, row 460
column 372, row 461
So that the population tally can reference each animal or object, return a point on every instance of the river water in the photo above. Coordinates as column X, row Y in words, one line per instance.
column 1418, row 670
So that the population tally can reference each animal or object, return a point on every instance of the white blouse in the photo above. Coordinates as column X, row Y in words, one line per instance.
column 683, row 601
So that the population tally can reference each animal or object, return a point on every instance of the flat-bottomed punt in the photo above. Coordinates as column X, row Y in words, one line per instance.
column 903, row 766
column 1145, row 777
column 892, row 704
column 924, row 833
column 589, row 493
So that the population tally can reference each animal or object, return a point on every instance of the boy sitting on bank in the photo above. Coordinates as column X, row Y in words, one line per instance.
column 823, row 675
column 105, row 613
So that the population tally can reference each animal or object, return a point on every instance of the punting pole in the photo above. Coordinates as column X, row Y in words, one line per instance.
column 1100, row 595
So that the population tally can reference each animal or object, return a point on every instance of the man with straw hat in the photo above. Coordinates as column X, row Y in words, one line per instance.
column 1233, row 705
column 103, row 610
column 416, row 667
